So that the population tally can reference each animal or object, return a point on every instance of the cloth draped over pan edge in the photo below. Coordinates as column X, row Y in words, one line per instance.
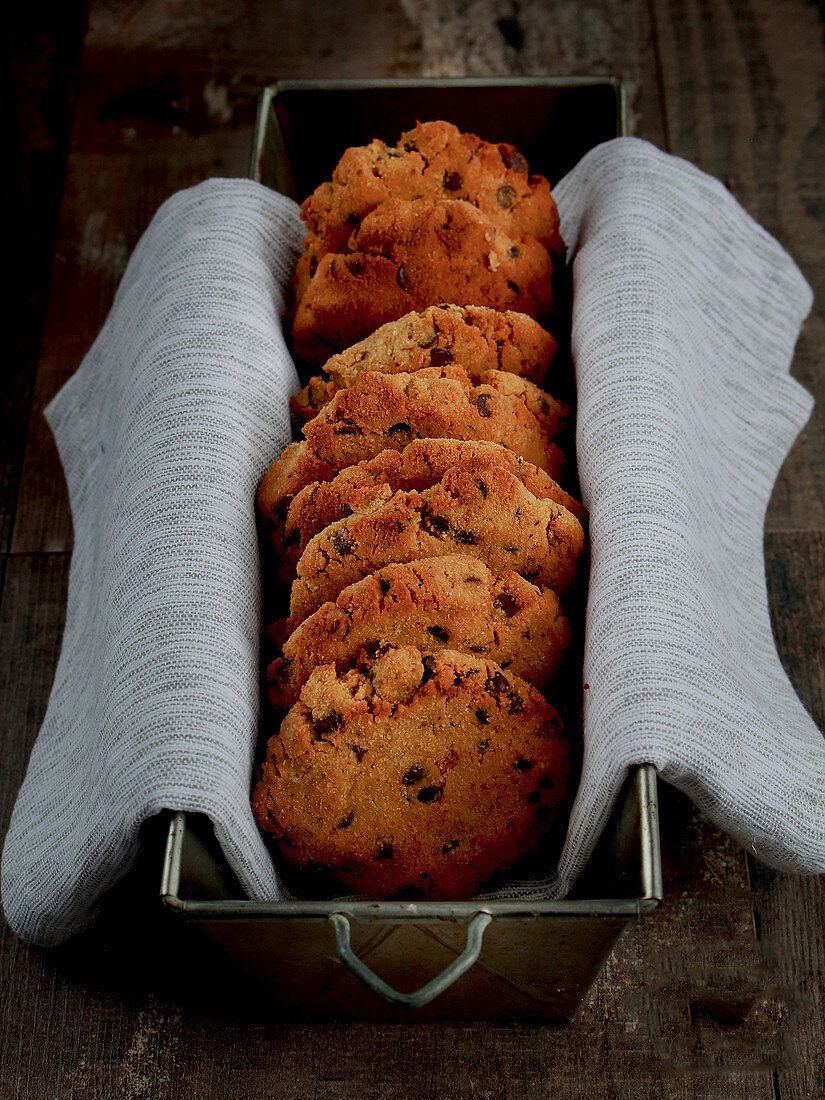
column 685, row 318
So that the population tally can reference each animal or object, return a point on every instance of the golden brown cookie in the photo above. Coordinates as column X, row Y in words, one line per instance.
column 419, row 466
column 474, row 337
column 494, row 519
column 410, row 254
column 453, row 602
column 433, row 160
column 383, row 411
column 414, row 775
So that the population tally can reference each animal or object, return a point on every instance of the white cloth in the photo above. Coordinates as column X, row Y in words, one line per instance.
column 686, row 314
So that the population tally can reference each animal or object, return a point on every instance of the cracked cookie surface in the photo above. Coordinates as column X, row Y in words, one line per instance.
column 407, row 255
column 454, row 602
column 388, row 411
column 420, row 465
column 414, row 775
column 494, row 519
column 474, row 337
column 433, row 160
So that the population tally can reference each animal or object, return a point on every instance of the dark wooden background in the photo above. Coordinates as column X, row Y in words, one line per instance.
column 110, row 109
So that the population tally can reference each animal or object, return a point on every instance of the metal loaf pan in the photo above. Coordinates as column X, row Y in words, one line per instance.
column 491, row 960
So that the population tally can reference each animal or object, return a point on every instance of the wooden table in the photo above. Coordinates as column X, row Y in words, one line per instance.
column 720, row 994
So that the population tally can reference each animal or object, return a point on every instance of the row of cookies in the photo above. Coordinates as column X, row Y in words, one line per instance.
column 426, row 545
column 440, row 217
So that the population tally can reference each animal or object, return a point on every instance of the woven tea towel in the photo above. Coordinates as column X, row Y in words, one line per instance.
column 686, row 314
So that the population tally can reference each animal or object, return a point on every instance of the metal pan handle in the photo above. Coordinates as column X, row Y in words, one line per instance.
column 428, row 992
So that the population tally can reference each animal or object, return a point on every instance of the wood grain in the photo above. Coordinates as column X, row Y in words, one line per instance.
column 742, row 84
column 720, row 993
column 42, row 55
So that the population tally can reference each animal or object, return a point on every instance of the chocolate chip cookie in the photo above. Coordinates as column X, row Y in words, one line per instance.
column 476, row 338
column 433, row 160
column 410, row 254
column 419, row 466
column 388, row 411
column 453, row 602
column 493, row 518
column 414, row 775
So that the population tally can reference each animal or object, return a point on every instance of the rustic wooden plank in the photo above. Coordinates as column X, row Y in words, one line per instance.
column 790, row 909
column 125, row 1014
column 743, row 84
column 42, row 55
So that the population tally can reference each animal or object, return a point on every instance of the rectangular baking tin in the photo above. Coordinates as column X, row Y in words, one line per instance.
column 529, row 961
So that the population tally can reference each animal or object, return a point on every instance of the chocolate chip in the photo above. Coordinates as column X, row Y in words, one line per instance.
column 401, row 427
column 516, row 289
column 428, row 343
column 479, row 648
column 543, row 813
column 474, row 580
column 413, row 775
column 505, row 662
column 516, row 702
column 547, row 783
column 345, row 824
column 483, row 716
column 515, row 252
column 402, row 278
column 508, row 604
column 285, row 671
column 328, row 724
column 497, row 684
column 359, row 752
column 518, row 162
column 376, row 649
column 483, row 746
column 466, row 538
column 293, row 537
column 453, row 181
column 534, row 797
column 385, row 586
column 429, row 668
column 434, row 524
column 385, row 851
column 346, row 429
column 440, row 357
column 523, row 765
column 341, row 543
column 511, row 549
column 430, row 794
column 506, row 196
column 439, row 632
column 482, row 488
column 449, row 846
column 483, row 405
